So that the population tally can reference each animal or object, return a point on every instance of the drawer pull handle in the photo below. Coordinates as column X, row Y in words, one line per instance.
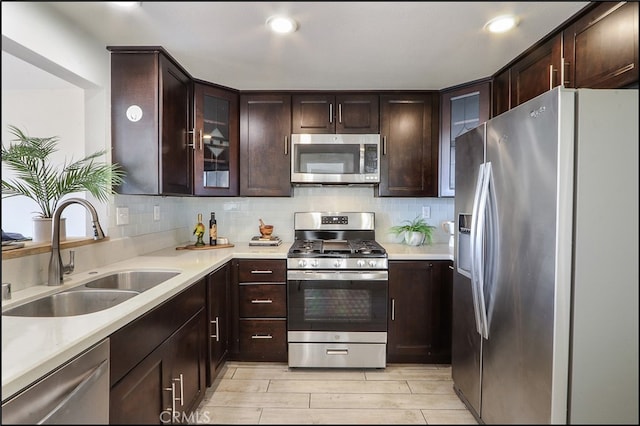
column 337, row 351
column 262, row 272
column 262, row 301
column 262, row 336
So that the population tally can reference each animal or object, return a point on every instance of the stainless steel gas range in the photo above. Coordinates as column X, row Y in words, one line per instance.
column 337, row 292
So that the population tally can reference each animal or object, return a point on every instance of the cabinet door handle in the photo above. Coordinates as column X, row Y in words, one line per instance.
column 266, row 271
column 286, row 145
column 340, row 113
column 200, row 139
column 551, row 72
column 330, row 113
column 262, row 301
column 393, row 309
column 181, row 380
column 192, row 132
column 384, row 145
column 564, row 72
column 172, row 389
column 217, row 335
column 262, row 336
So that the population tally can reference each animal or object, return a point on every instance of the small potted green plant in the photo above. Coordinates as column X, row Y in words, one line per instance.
column 35, row 176
column 415, row 232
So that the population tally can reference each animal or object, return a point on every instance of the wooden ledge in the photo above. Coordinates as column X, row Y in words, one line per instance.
column 31, row 248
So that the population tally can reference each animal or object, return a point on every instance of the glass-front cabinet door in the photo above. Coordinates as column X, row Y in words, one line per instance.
column 463, row 109
column 216, row 140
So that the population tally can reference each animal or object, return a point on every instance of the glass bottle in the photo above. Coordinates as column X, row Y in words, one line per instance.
column 213, row 230
column 198, row 231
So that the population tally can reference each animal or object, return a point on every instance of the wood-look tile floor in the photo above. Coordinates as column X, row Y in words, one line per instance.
column 272, row 393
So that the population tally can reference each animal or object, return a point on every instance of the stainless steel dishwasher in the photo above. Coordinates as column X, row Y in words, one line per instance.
column 75, row 393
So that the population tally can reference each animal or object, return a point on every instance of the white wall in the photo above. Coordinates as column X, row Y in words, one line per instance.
column 79, row 116
column 44, row 113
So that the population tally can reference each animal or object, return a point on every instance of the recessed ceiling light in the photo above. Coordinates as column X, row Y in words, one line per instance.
column 127, row 4
column 282, row 24
column 501, row 24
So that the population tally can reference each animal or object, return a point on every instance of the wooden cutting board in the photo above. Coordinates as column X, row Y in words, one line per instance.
column 205, row 247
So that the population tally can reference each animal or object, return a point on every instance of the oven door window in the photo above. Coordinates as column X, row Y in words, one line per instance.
column 328, row 305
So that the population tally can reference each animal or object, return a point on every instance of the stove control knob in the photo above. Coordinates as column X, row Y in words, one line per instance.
column 338, row 263
column 314, row 263
column 302, row 263
column 360, row 263
column 372, row 263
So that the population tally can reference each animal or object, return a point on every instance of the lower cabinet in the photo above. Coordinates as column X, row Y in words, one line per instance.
column 218, row 320
column 158, row 363
column 261, row 295
column 420, row 298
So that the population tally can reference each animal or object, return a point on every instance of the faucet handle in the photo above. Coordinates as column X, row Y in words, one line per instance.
column 69, row 267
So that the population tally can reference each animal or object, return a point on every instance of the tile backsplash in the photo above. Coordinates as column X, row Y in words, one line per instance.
column 238, row 217
column 158, row 222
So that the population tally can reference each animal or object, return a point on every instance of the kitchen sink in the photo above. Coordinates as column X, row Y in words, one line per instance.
column 131, row 280
column 71, row 302
column 96, row 295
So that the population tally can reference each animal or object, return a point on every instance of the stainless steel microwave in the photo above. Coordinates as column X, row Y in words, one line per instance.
column 335, row 158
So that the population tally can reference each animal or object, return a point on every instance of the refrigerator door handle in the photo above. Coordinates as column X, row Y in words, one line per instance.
column 480, row 246
column 474, row 248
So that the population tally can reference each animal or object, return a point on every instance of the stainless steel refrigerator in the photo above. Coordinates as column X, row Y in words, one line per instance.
column 545, row 309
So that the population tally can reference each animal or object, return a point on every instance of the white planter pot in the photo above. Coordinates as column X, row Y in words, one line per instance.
column 43, row 229
column 414, row 238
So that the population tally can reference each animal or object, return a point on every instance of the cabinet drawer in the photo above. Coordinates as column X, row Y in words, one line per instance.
column 263, row 300
column 263, row 340
column 262, row 270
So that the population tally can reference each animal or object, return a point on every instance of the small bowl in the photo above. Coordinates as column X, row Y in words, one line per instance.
column 266, row 230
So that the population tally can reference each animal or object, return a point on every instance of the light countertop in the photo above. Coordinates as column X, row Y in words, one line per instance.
column 32, row 347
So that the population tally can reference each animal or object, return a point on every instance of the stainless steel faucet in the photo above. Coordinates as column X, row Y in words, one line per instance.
column 56, row 268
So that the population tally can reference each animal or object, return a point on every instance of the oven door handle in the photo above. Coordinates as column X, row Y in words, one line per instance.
column 337, row 275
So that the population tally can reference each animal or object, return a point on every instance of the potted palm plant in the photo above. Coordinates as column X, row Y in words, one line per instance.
column 415, row 232
column 35, row 176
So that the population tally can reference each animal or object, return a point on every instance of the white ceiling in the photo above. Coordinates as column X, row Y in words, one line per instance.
column 339, row 45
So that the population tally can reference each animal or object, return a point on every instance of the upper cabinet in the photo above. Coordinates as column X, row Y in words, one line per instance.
column 409, row 155
column 597, row 49
column 150, row 121
column 216, row 150
column 335, row 113
column 601, row 48
column 537, row 72
column 265, row 128
column 461, row 109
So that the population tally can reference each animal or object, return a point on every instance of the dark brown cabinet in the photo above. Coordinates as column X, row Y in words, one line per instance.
column 462, row 109
column 217, row 141
column 409, row 155
column 335, row 113
column 420, row 300
column 596, row 49
column 265, row 128
column 261, row 293
column 601, row 48
column 537, row 72
column 218, row 283
column 157, row 370
column 150, row 121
